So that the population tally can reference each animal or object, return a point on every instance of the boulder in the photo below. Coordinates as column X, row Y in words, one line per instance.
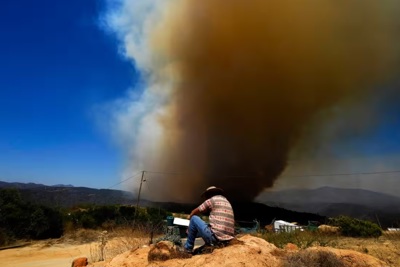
column 328, row 229
column 80, row 262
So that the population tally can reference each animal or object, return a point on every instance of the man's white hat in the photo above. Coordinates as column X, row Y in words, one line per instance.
column 213, row 190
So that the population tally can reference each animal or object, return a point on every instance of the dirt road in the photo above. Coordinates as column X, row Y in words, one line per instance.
column 43, row 255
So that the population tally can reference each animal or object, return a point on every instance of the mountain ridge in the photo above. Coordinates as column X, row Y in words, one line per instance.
column 330, row 195
column 330, row 201
column 325, row 201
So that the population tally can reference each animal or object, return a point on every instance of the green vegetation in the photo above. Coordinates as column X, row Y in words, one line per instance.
column 303, row 239
column 21, row 220
column 107, row 217
column 356, row 228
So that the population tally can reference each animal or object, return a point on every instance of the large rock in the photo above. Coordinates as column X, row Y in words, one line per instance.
column 328, row 229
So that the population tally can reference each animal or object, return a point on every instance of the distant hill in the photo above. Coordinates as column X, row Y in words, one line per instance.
column 69, row 196
column 330, row 201
column 20, row 185
column 63, row 185
column 289, row 205
column 62, row 196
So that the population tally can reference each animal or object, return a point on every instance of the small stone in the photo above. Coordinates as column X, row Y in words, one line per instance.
column 80, row 262
column 291, row 247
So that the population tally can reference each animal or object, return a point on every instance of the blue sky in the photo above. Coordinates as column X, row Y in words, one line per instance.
column 56, row 67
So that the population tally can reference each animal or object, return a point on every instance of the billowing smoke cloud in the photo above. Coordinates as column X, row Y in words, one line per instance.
column 231, row 85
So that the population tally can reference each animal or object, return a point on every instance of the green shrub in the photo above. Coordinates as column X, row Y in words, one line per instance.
column 87, row 221
column 126, row 214
column 100, row 217
column 5, row 237
column 24, row 220
column 356, row 228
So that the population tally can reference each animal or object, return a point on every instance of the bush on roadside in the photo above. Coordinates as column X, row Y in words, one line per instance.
column 24, row 220
column 355, row 227
column 5, row 238
column 108, row 217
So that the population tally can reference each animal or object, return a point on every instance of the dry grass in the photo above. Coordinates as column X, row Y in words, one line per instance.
column 306, row 258
column 122, row 239
column 302, row 239
column 125, row 239
column 81, row 236
column 119, row 240
column 105, row 245
column 386, row 248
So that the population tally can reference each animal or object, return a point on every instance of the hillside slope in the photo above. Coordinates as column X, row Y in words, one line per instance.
column 253, row 252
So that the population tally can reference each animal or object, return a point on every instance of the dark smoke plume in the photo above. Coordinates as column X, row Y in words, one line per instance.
column 240, row 81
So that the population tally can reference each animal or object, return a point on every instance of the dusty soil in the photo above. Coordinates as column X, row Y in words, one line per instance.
column 61, row 252
column 43, row 254
column 253, row 252
column 133, row 252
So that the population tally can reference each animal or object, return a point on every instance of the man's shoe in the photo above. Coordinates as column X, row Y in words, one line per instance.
column 183, row 253
column 185, row 250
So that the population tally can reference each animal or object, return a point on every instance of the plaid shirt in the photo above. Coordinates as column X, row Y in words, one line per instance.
column 222, row 220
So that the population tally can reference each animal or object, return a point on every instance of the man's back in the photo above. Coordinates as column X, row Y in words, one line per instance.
column 222, row 220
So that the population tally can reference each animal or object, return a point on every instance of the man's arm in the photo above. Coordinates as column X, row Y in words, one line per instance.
column 206, row 205
column 194, row 212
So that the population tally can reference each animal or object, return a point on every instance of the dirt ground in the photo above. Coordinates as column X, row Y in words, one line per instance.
column 61, row 252
column 41, row 254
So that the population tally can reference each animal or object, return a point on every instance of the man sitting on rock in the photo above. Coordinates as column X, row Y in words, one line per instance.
column 221, row 220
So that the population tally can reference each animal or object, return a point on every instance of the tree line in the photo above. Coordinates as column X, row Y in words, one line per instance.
column 24, row 220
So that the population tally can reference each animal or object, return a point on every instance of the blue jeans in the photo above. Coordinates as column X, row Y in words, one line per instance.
column 198, row 227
